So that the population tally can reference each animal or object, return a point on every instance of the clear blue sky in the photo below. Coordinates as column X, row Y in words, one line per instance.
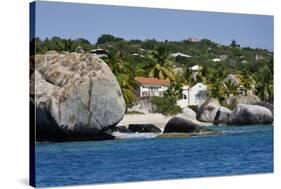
column 73, row 20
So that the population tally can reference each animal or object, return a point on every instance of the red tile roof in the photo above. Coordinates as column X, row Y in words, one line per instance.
column 151, row 81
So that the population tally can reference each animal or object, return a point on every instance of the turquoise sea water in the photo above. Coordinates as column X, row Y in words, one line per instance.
column 240, row 150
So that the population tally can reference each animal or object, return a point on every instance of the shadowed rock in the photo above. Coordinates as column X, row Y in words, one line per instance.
column 180, row 125
column 121, row 129
column 144, row 128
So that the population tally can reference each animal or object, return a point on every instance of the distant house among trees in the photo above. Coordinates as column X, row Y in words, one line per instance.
column 137, row 55
column 99, row 52
column 192, row 39
column 179, row 54
column 194, row 70
column 234, row 79
column 216, row 60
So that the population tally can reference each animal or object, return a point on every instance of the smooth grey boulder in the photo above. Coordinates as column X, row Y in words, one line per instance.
column 207, row 111
column 76, row 94
column 223, row 115
column 245, row 114
column 266, row 105
column 241, row 99
column 180, row 125
column 144, row 128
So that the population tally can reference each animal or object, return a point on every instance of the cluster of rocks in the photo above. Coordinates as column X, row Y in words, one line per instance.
column 247, row 110
column 175, row 127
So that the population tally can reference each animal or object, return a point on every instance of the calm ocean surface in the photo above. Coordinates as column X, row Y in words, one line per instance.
column 241, row 150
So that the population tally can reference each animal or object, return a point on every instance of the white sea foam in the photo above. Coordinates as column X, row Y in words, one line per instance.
column 134, row 135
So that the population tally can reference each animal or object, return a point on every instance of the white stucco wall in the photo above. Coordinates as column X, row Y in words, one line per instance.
column 193, row 96
column 152, row 90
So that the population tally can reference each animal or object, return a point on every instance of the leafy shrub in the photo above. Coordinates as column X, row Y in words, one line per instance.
column 166, row 105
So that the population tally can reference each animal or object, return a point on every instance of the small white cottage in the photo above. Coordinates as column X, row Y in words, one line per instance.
column 193, row 95
column 151, row 86
column 180, row 54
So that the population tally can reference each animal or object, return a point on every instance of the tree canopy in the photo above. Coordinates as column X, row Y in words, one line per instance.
column 152, row 58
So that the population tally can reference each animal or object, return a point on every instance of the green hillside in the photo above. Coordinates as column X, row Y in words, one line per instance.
column 152, row 58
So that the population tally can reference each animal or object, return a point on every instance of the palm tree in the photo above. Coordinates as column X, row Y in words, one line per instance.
column 216, row 90
column 162, row 68
column 264, row 86
column 66, row 45
column 124, row 75
column 127, row 87
column 174, row 89
column 230, row 87
column 247, row 81
column 215, row 84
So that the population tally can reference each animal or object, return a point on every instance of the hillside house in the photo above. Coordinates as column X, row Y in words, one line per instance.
column 151, row 86
column 193, row 95
column 192, row 39
column 179, row 54
column 236, row 80
column 99, row 52
column 195, row 71
column 216, row 60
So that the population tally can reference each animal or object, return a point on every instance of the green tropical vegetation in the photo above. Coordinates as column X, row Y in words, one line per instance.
column 124, row 74
column 151, row 58
column 162, row 67
column 166, row 105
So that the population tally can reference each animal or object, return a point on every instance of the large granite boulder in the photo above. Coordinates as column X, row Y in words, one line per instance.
column 223, row 115
column 144, row 128
column 245, row 114
column 241, row 99
column 207, row 111
column 76, row 94
column 265, row 104
column 180, row 125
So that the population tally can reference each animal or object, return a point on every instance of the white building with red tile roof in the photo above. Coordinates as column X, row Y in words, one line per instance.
column 156, row 87
column 151, row 86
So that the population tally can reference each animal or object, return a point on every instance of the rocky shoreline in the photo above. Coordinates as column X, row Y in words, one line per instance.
column 76, row 97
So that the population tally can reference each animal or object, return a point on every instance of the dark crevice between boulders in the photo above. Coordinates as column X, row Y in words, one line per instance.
column 216, row 122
